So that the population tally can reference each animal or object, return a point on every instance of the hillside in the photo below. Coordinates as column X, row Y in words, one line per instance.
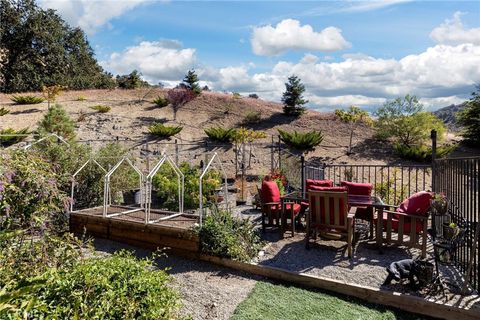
column 132, row 112
column 447, row 114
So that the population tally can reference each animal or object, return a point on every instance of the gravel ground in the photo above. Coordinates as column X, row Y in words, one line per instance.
column 208, row 291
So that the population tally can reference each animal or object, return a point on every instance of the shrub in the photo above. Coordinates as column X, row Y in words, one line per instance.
column 101, row 108
column 52, row 92
column 390, row 189
column 4, row 111
column 223, row 235
column 131, row 81
column 6, row 141
column 422, row 153
column 161, row 101
column 81, row 98
column 167, row 186
column 56, row 120
column 117, row 287
column 162, row 131
column 306, row 141
column 236, row 95
column 191, row 82
column 221, row 134
column 179, row 97
column 29, row 190
column 27, row 99
column 253, row 95
column 252, row 117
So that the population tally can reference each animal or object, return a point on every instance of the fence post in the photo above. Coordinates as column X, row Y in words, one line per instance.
column 302, row 164
column 176, row 152
column 279, row 155
column 433, row 136
column 272, row 151
column 147, row 151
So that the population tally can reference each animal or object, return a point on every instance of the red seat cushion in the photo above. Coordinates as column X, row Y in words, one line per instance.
column 406, row 224
column 270, row 192
column 309, row 183
column 359, row 189
column 418, row 203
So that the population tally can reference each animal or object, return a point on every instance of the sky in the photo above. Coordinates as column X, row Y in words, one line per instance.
column 346, row 53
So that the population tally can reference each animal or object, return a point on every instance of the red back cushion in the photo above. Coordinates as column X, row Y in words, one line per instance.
column 332, row 189
column 359, row 189
column 318, row 183
column 270, row 191
column 418, row 203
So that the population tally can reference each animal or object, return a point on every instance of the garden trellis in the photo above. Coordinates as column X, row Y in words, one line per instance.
column 149, row 189
column 107, row 192
column 54, row 135
column 215, row 158
column 74, row 182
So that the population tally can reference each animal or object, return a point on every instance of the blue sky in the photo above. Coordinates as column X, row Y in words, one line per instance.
column 346, row 52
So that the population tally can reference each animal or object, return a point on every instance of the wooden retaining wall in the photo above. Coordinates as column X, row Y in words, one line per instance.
column 150, row 236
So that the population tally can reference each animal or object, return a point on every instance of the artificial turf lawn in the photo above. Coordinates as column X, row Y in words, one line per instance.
column 276, row 302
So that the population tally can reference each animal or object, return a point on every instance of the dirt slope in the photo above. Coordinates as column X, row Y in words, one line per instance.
column 133, row 111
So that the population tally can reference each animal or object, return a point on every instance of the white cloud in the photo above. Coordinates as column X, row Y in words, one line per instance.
column 91, row 14
column 290, row 35
column 439, row 76
column 163, row 60
column 362, row 6
column 453, row 32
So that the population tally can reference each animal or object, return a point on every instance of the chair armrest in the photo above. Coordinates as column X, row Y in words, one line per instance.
column 271, row 204
column 407, row 215
column 352, row 212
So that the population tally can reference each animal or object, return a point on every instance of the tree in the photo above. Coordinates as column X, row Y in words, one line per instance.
column 39, row 49
column 191, row 81
column 131, row 81
column 406, row 122
column 353, row 116
column 56, row 120
column 292, row 97
column 469, row 119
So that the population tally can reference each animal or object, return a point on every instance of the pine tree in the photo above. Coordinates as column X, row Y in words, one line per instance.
column 292, row 99
column 469, row 119
column 191, row 81
column 57, row 121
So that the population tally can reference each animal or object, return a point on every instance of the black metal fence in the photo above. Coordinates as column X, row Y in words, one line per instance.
column 458, row 179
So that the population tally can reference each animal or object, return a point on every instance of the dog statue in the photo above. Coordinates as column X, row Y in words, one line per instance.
column 401, row 270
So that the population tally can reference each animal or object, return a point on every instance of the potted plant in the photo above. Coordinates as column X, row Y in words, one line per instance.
column 450, row 231
column 440, row 203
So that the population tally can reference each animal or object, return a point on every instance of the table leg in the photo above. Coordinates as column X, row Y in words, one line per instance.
column 282, row 217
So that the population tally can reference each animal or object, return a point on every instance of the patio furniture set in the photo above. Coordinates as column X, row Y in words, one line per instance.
column 331, row 211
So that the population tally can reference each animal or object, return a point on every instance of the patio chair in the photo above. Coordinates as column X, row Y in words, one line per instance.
column 271, row 204
column 361, row 189
column 410, row 218
column 328, row 213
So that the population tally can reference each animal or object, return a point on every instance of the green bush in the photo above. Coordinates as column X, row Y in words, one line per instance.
column 236, row 95
column 223, row 235
column 422, row 153
column 161, row 101
column 27, row 99
column 81, row 98
column 6, row 141
column 117, row 287
column 166, row 185
column 162, row 131
column 101, row 108
column 306, row 141
column 57, row 121
column 4, row 111
column 221, row 134
column 29, row 191
column 252, row 117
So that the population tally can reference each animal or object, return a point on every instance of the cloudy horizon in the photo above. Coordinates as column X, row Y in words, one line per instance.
column 346, row 52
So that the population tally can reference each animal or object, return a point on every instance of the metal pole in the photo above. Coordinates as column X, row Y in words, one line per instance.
column 302, row 164
column 433, row 136
column 272, row 151
column 176, row 152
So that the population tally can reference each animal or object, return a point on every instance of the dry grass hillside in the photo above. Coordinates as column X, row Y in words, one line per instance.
column 133, row 111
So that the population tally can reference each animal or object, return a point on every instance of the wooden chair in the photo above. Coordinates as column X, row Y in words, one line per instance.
column 408, row 221
column 328, row 212
column 361, row 189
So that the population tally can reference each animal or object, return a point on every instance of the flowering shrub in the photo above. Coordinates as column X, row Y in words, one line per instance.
column 179, row 97
column 29, row 191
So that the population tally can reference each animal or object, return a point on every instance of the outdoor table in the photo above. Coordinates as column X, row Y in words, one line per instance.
column 371, row 202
